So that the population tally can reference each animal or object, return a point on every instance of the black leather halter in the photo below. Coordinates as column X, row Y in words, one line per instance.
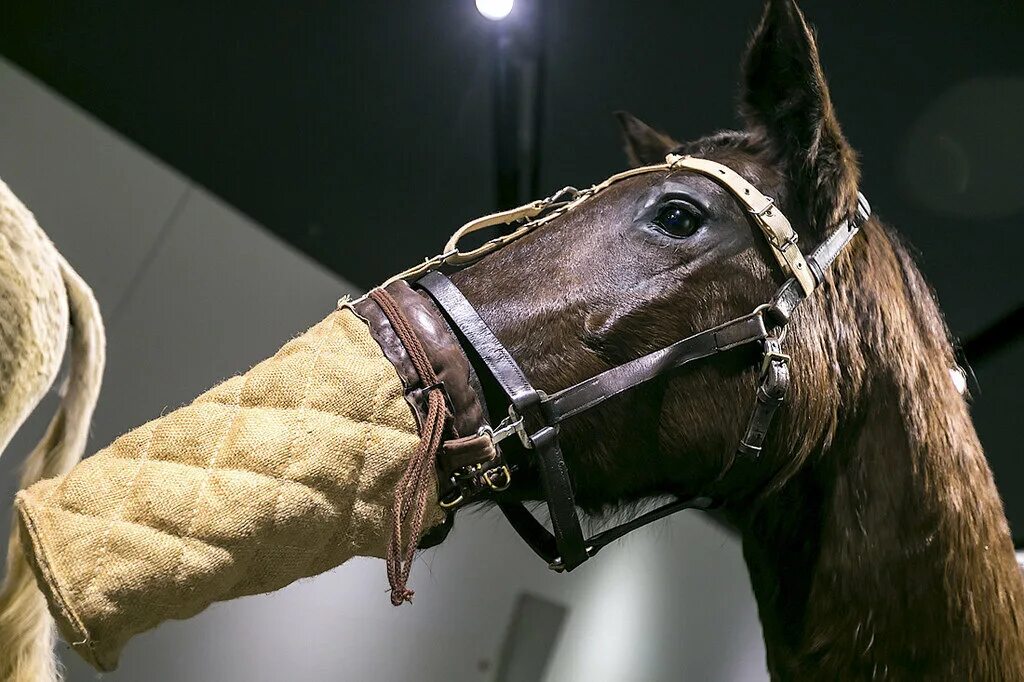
column 535, row 417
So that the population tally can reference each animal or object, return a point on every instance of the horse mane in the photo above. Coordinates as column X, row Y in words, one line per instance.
column 906, row 529
column 877, row 542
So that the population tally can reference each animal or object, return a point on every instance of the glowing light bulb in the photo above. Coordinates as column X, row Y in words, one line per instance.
column 495, row 10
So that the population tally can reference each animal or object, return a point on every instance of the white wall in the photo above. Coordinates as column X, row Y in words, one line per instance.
column 194, row 292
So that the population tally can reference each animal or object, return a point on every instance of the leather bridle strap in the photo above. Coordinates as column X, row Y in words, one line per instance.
column 773, row 222
column 581, row 397
column 480, row 337
column 546, row 545
column 523, row 398
column 790, row 295
column 741, row 331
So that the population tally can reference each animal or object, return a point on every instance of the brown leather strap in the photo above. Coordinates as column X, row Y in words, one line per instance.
column 769, row 396
column 554, row 477
column 587, row 394
column 480, row 337
column 453, row 369
column 469, row 451
column 543, row 543
column 466, row 465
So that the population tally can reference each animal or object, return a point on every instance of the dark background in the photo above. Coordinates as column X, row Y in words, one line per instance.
column 361, row 132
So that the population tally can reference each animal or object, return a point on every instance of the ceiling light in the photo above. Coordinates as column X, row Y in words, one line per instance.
column 495, row 10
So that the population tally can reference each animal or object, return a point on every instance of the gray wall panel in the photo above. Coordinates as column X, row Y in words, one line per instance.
column 98, row 196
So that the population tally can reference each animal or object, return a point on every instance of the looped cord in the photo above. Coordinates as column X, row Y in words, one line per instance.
column 413, row 492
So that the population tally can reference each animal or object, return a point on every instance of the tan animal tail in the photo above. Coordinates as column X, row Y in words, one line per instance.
column 27, row 631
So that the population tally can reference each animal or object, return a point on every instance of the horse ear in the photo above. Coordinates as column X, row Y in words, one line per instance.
column 786, row 105
column 644, row 145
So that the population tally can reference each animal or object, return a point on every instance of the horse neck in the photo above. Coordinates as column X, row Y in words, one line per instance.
column 888, row 554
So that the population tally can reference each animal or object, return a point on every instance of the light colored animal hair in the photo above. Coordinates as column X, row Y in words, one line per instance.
column 42, row 293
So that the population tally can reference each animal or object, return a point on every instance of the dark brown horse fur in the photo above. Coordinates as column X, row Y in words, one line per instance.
column 875, row 537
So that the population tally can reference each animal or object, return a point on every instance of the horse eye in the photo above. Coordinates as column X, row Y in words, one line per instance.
column 678, row 219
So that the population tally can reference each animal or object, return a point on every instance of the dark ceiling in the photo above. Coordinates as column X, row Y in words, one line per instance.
column 361, row 131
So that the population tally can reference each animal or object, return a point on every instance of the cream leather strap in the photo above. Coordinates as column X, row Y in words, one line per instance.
column 776, row 228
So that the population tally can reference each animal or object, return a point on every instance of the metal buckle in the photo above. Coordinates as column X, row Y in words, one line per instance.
column 497, row 479
column 771, row 356
column 773, row 352
column 513, row 423
column 506, row 478
column 770, row 235
column 767, row 208
column 444, row 394
column 792, row 240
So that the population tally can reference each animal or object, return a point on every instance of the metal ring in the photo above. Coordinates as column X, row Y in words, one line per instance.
column 445, row 504
column 489, row 476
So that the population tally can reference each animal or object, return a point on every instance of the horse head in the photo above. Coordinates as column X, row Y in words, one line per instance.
column 870, row 505
column 661, row 256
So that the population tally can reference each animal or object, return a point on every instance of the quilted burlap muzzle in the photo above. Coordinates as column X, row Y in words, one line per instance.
column 279, row 474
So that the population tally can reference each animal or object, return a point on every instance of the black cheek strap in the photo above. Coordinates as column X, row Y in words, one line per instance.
column 567, row 544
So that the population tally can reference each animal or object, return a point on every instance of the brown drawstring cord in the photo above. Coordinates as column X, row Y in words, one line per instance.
column 412, row 494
